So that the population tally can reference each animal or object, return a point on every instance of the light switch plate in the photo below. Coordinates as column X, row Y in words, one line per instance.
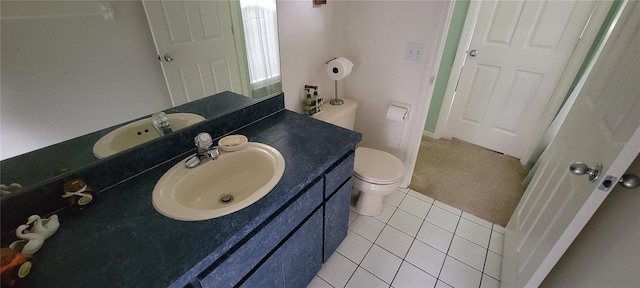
column 414, row 51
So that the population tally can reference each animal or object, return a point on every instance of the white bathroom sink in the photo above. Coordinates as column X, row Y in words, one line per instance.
column 138, row 132
column 218, row 187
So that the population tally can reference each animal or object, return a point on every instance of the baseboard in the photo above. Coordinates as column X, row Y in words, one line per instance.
column 429, row 134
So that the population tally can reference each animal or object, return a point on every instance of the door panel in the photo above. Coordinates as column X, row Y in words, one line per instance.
column 503, row 24
column 484, row 82
column 198, row 35
column 523, row 48
column 602, row 126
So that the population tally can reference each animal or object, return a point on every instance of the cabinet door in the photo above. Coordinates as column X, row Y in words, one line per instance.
column 336, row 219
column 296, row 262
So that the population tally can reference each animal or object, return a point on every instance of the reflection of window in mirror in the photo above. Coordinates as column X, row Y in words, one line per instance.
column 261, row 41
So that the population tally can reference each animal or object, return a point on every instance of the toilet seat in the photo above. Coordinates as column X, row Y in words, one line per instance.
column 377, row 167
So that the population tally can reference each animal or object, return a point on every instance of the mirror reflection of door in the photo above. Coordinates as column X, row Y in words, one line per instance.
column 195, row 42
column 199, row 43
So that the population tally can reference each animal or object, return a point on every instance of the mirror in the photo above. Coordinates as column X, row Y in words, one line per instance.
column 72, row 68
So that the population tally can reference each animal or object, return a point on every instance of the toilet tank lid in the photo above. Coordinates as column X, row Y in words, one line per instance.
column 377, row 166
column 331, row 113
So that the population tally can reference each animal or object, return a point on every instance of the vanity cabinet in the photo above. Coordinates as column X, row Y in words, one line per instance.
column 296, row 262
column 289, row 249
column 337, row 199
column 240, row 263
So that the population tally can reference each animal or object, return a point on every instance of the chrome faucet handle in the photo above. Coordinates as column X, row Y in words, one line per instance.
column 160, row 119
column 161, row 123
column 203, row 141
column 213, row 154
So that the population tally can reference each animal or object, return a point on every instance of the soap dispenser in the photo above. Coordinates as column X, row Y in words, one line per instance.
column 319, row 101
column 308, row 104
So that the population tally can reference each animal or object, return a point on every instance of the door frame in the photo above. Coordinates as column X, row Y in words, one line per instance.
column 416, row 130
column 557, row 98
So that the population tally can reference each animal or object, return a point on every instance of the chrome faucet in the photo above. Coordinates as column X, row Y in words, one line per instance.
column 205, row 152
column 161, row 123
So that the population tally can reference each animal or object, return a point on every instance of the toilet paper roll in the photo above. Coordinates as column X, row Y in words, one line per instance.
column 398, row 114
column 394, row 133
column 396, row 117
column 339, row 68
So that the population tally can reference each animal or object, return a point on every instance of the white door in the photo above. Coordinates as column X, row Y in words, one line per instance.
column 522, row 49
column 197, row 39
column 602, row 126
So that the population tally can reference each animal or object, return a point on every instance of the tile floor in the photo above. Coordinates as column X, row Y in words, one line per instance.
column 415, row 242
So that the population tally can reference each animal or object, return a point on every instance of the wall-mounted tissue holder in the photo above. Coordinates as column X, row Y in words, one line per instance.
column 398, row 111
column 397, row 115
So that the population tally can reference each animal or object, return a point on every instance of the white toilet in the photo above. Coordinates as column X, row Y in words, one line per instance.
column 376, row 173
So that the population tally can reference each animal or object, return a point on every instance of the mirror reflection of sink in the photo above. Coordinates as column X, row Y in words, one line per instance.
column 218, row 187
column 138, row 132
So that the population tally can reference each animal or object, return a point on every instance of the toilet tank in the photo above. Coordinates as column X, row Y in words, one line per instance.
column 342, row 115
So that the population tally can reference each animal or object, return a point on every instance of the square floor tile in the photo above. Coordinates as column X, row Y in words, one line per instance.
column 497, row 242
column 498, row 228
column 467, row 252
column 448, row 207
column 458, row 274
column 317, row 282
column 410, row 276
column 443, row 218
column 488, row 282
column 420, row 196
column 367, row 227
column 381, row 263
column 415, row 206
column 474, row 232
column 354, row 247
column 362, row 279
column 493, row 267
column 425, row 257
column 337, row 270
column 441, row 284
column 435, row 236
column 477, row 219
column 405, row 222
column 352, row 216
column 394, row 198
column 394, row 241
column 387, row 212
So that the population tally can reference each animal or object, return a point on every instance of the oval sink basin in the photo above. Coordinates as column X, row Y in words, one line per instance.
column 138, row 132
column 218, row 187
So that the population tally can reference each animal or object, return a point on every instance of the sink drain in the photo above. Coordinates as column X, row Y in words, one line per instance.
column 226, row 199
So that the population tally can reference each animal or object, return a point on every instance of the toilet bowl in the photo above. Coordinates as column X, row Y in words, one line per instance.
column 376, row 173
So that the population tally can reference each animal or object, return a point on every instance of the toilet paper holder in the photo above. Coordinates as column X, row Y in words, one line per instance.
column 400, row 105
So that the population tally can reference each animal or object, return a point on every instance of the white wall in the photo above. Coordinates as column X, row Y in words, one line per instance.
column 606, row 252
column 306, row 42
column 65, row 77
column 377, row 34
column 374, row 35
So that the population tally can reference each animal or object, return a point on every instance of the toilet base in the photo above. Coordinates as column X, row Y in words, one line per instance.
column 368, row 205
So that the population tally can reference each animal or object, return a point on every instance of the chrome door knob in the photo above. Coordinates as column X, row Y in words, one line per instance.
column 167, row 57
column 579, row 168
column 473, row 53
column 629, row 181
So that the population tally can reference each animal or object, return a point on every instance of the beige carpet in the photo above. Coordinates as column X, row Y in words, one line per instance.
column 468, row 177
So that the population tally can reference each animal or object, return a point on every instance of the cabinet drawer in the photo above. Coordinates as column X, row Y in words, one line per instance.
column 238, row 264
column 296, row 262
column 338, row 173
column 336, row 219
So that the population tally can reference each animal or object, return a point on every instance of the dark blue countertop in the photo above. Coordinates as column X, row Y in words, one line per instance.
column 121, row 241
